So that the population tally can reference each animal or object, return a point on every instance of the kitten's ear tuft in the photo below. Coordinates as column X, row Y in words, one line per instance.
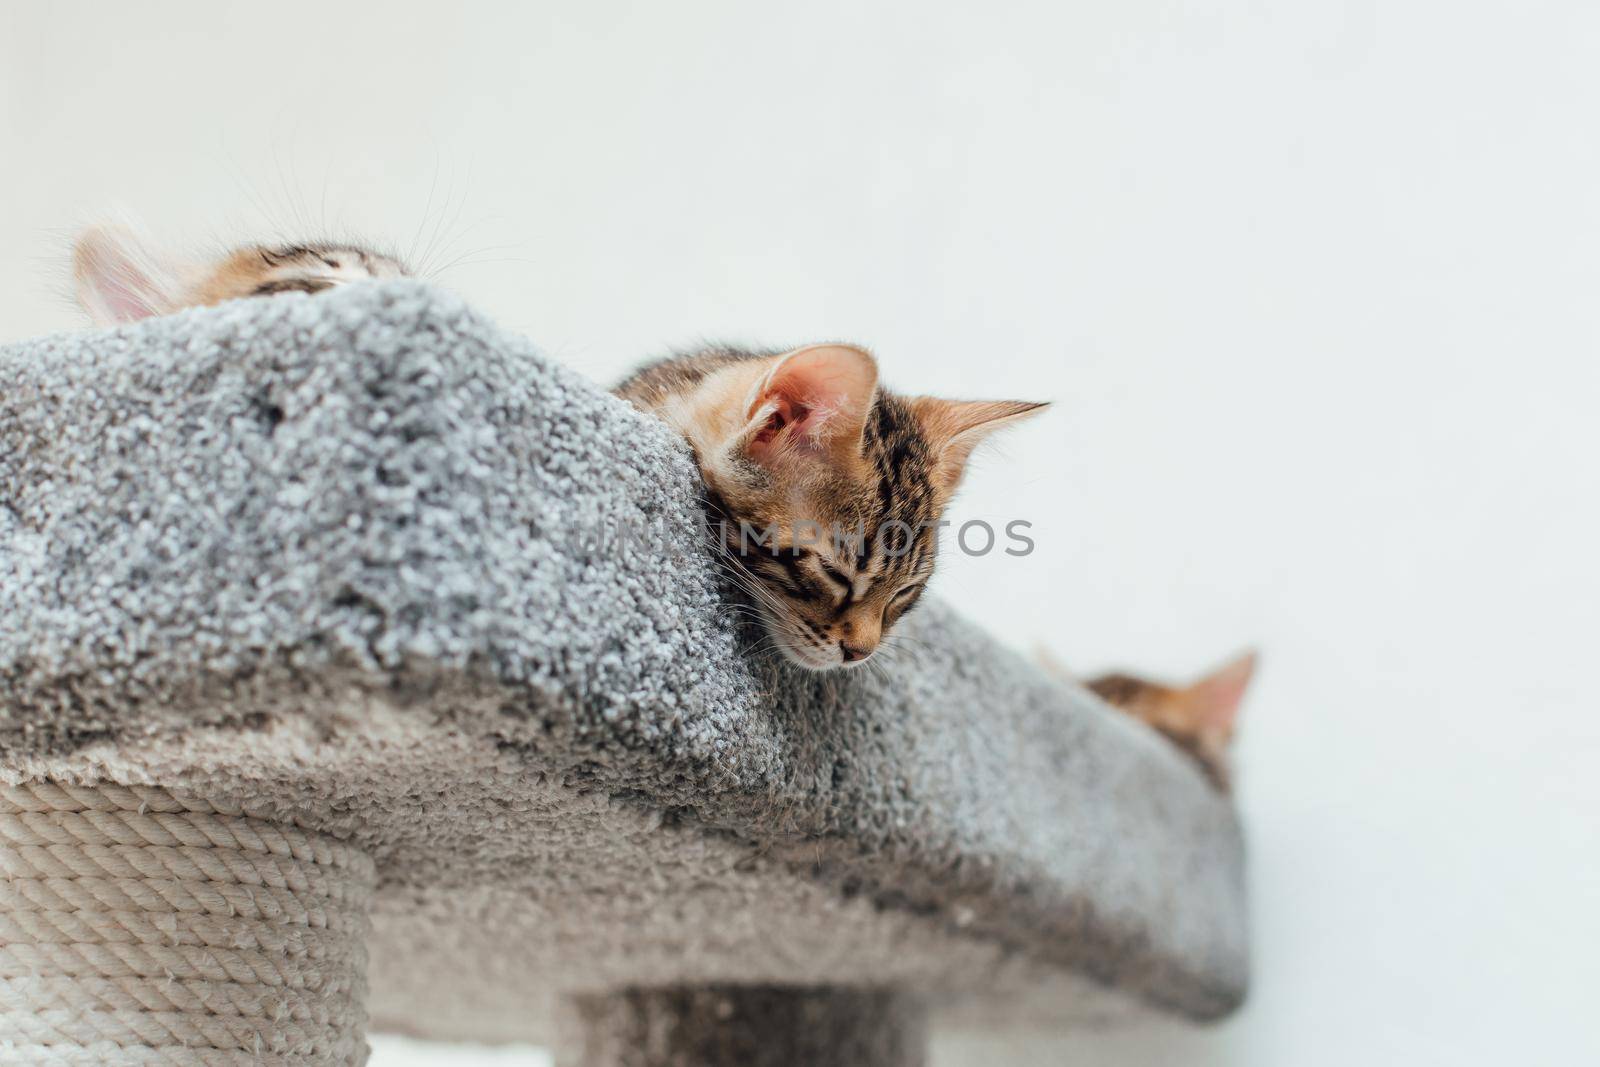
column 956, row 427
column 121, row 278
column 1214, row 700
column 813, row 402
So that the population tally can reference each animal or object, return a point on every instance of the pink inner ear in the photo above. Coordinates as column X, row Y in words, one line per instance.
column 792, row 415
column 123, row 302
column 1219, row 695
column 119, row 278
column 813, row 400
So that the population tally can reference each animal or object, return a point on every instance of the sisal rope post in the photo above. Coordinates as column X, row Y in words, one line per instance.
column 137, row 927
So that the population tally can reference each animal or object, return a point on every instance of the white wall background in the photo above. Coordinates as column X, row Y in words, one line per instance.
column 1313, row 285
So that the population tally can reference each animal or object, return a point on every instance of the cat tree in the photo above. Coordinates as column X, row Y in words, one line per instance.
column 359, row 667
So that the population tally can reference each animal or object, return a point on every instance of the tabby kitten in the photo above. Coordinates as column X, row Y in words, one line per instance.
column 1199, row 718
column 120, row 277
column 825, row 488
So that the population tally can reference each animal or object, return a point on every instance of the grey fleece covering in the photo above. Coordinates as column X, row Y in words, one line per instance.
column 362, row 560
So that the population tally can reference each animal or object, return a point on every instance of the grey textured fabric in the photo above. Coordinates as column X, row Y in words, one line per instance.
column 365, row 562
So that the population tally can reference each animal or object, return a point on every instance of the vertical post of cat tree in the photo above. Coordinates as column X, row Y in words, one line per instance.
column 137, row 927
column 745, row 1026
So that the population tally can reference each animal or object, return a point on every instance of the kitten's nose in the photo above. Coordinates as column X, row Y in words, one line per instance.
column 852, row 653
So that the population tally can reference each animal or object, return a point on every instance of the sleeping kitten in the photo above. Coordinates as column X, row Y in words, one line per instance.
column 847, row 478
column 825, row 488
column 1199, row 717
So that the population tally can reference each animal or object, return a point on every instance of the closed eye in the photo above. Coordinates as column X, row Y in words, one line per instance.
column 905, row 593
column 832, row 573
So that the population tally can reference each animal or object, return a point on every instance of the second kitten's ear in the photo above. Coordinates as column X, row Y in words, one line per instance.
column 121, row 278
column 812, row 403
column 1213, row 702
column 956, row 427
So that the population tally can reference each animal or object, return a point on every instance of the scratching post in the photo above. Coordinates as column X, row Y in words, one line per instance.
column 388, row 588
column 761, row 1026
column 138, row 928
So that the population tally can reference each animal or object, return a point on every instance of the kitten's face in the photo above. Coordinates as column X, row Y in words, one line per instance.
column 827, row 491
column 833, row 568
column 121, row 278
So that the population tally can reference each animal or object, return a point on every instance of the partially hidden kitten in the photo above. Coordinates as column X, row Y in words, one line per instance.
column 119, row 276
column 1199, row 718
column 825, row 489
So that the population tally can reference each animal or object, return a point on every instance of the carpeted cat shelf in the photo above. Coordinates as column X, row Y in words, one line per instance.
column 359, row 667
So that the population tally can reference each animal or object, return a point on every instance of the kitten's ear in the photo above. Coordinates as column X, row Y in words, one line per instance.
column 121, row 278
column 1212, row 703
column 956, row 427
column 812, row 403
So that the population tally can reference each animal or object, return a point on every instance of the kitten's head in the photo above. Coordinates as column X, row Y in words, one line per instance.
column 1199, row 718
column 829, row 491
column 121, row 277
